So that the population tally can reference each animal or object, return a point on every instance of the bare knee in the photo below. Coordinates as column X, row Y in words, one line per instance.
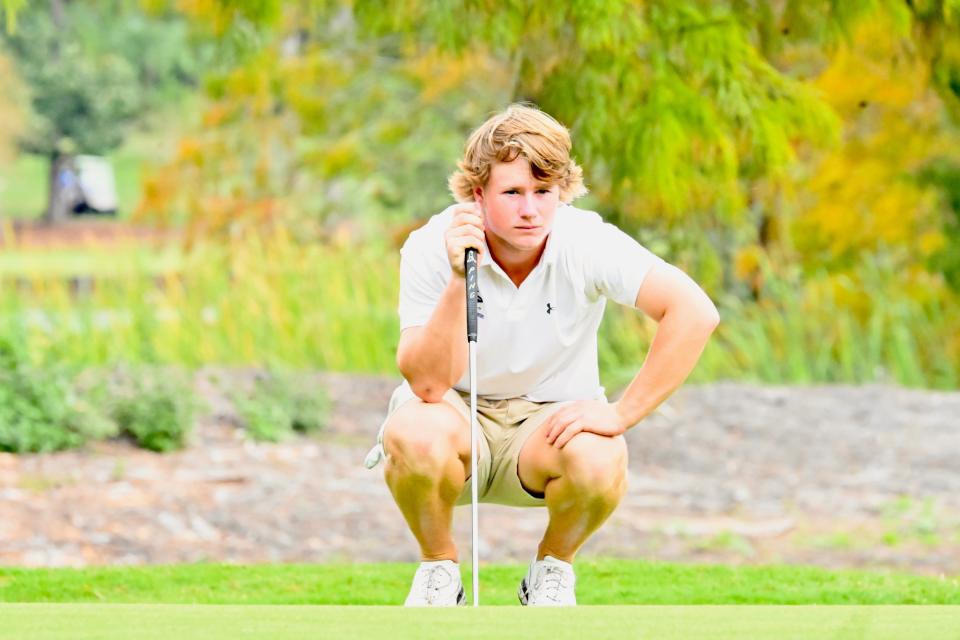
column 596, row 464
column 423, row 438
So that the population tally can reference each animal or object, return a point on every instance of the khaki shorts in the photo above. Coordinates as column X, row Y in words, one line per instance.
column 505, row 426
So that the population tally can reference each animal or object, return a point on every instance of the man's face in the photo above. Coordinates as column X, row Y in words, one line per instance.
column 518, row 209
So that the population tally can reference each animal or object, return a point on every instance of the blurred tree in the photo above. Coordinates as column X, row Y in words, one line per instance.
column 9, row 9
column 690, row 115
column 93, row 69
column 937, row 36
column 944, row 174
column 675, row 106
column 670, row 104
column 299, row 134
column 865, row 196
column 875, row 194
column 13, row 107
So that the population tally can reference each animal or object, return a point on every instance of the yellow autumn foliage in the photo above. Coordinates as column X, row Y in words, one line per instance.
column 439, row 73
column 746, row 262
column 864, row 197
column 189, row 150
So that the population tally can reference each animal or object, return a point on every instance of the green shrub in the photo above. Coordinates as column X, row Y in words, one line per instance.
column 40, row 412
column 279, row 404
column 40, row 408
column 154, row 406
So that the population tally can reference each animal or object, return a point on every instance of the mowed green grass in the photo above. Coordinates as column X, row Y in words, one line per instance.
column 233, row 622
column 632, row 599
column 599, row 582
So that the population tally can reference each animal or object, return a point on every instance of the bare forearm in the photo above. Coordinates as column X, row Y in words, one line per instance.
column 438, row 358
column 677, row 345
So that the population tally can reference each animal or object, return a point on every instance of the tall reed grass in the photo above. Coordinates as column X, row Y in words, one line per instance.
column 869, row 326
column 265, row 301
column 271, row 301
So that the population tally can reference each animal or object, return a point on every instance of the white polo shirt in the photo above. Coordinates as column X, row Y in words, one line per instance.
column 538, row 341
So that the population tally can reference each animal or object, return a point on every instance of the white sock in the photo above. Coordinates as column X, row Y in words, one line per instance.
column 443, row 562
column 551, row 560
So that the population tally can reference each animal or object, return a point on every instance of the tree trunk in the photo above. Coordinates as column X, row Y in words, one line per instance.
column 64, row 188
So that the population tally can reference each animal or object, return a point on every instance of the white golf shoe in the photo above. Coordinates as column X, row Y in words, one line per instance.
column 548, row 583
column 436, row 584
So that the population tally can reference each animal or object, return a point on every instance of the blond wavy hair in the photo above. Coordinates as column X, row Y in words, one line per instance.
column 521, row 130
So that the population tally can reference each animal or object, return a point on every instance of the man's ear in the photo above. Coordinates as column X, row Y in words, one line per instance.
column 478, row 195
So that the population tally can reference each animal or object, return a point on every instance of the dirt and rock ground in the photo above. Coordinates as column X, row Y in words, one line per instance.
column 836, row 476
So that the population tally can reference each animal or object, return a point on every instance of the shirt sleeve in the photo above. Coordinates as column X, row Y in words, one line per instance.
column 618, row 265
column 423, row 277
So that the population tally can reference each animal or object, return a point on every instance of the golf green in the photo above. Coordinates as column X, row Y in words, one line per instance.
column 237, row 622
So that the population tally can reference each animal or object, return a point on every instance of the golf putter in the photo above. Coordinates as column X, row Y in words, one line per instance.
column 470, row 267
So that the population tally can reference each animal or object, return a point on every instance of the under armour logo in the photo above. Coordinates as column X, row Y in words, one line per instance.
column 550, row 308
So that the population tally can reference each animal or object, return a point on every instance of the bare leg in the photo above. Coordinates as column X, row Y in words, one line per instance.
column 428, row 447
column 582, row 484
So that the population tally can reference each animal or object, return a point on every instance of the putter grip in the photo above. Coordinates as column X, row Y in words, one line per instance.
column 470, row 268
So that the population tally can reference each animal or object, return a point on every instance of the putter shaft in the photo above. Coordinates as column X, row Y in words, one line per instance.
column 470, row 269
column 474, row 463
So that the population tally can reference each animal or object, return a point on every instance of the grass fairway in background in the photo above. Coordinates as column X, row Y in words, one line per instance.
column 226, row 622
column 23, row 184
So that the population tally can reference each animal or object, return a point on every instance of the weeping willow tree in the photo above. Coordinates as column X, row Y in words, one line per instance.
column 675, row 100
column 677, row 107
column 671, row 103
column 689, row 116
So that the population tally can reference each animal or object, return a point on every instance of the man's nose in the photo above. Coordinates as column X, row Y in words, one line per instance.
column 528, row 206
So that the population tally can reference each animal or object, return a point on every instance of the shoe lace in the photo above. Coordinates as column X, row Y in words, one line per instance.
column 436, row 578
column 552, row 581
